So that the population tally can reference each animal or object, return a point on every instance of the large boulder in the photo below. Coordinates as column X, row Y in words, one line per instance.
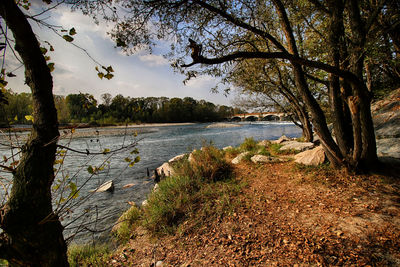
column 298, row 146
column 165, row 169
column 314, row 156
column 386, row 117
column 239, row 157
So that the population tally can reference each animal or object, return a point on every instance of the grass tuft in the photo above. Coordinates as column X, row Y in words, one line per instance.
column 88, row 255
column 200, row 190
column 124, row 228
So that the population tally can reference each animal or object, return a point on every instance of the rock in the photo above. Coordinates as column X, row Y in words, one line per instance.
column 281, row 139
column 314, row 157
column 191, row 158
column 128, row 186
column 263, row 159
column 156, row 188
column 227, row 148
column 165, row 169
column 388, row 147
column 159, row 264
column 299, row 146
column 386, row 118
column 264, row 143
column 239, row 157
column 107, row 186
column 144, row 203
column 177, row 158
column 223, row 125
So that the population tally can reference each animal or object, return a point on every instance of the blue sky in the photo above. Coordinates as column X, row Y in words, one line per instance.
column 139, row 75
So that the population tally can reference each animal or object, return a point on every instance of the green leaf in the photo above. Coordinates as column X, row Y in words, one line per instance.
column 106, row 150
column 16, row 117
column 43, row 50
column 108, row 76
column 72, row 31
column 68, row 38
column 109, row 69
column 74, row 190
column 29, row 118
column 51, row 66
column 135, row 151
column 90, row 170
column 101, row 75
column 128, row 159
column 137, row 159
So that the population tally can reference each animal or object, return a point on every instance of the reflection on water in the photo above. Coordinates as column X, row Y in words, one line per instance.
column 155, row 146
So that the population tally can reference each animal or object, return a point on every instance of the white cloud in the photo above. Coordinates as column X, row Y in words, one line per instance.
column 200, row 82
column 153, row 60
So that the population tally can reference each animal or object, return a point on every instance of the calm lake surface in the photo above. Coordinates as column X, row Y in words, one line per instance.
column 98, row 212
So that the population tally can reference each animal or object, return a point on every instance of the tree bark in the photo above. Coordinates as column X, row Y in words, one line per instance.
column 32, row 233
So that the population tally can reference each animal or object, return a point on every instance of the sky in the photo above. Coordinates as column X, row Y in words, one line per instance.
column 139, row 75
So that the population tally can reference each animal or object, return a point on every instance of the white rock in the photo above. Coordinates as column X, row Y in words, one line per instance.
column 281, row 139
column 159, row 264
column 156, row 188
column 176, row 158
column 227, row 147
column 239, row 157
column 167, row 169
column 314, row 157
column 264, row 143
column 263, row 159
column 299, row 146
column 144, row 203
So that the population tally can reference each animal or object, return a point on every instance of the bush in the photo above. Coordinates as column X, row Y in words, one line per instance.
column 194, row 188
column 249, row 144
column 208, row 164
column 88, row 255
column 124, row 228
column 169, row 205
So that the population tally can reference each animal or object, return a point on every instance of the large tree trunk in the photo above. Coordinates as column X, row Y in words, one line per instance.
column 32, row 233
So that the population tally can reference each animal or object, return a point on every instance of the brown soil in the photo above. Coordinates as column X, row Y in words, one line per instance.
column 287, row 216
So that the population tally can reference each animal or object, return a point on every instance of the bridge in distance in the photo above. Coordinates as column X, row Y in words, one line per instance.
column 260, row 116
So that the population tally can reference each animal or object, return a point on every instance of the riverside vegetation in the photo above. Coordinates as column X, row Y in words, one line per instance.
column 215, row 213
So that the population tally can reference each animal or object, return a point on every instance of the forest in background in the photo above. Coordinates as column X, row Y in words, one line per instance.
column 84, row 108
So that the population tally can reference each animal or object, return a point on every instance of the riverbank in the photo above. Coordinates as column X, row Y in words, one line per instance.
column 275, row 213
column 291, row 216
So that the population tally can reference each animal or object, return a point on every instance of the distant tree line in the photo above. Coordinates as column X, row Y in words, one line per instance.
column 84, row 108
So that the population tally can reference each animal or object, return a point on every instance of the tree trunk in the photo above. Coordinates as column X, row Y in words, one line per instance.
column 32, row 233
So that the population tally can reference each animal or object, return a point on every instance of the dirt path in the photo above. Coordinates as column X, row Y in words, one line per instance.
column 288, row 217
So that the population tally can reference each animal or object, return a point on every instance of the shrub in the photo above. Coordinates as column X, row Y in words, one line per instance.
column 169, row 204
column 264, row 151
column 249, row 144
column 124, row 228
column 88, row 255
column 207, row 164
column 194, row 188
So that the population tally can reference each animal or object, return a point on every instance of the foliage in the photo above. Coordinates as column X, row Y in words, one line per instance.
column 84, row 108
column 88, row 255
column 201, row 188
column 249, row 144
column 126, row 223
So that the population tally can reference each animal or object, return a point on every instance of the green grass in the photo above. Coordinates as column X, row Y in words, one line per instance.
column 249, row 144
column 88, row 255
column 201, row 190
column 126, row 223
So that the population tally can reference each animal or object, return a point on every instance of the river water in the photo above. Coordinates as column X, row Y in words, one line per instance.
column 97, row 212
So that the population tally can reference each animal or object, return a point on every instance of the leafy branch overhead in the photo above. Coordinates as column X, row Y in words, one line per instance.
column 107, row 74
